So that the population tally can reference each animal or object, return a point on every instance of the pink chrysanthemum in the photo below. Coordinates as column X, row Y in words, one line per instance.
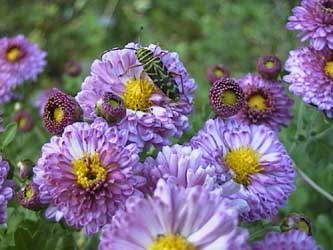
column 314, row 20
column 185, row 167
column 294, row 239
column 311, row 76
column 265, row 102
column 256, row 160
column 152, row 118
column 86, row 174
column 175, row 218
column 21, row 59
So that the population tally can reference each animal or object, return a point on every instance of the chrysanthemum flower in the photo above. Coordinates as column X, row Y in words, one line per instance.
column 314, row 20
column 111, row 107
column 216, row 71
column 21, row 59
column 86, row 174
column 265, row 102
column 269, row 67
column 6, row 191
column 60, row 110
column 23, row 119
column 226, row 97
column 6, row 85
column 28, row 197
column 41, row 99
column 256, row 159
column 185, row 167
column 152, row 118
column 175, row 218
column 294, row 239
column 311, row 76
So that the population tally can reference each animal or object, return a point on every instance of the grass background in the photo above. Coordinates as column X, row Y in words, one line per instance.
column 232, row 32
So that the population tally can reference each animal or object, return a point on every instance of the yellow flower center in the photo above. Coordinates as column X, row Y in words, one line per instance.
column 228, row 97
column 22, row 122
column 243, row 161
column 58, row 114
column 171, row 242
column 218, row 72
column 256, row 102
column 328, row 69
column 13, row 54
column 269, row 64
column 137, row 94
column 88, row 170
column 28, row 193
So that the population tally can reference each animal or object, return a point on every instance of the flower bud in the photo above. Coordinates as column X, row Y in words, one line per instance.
column 60, row 110
column 25, row 168
column 111, row 107
column 216, row 71
column 226, row 97
column 28, row 197
column 298, row 222
column 269, row 67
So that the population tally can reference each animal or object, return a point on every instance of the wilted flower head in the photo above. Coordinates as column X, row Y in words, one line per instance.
column 226, row 97
column 175, row 218
column 265, row 102
column 23, row 119
column 87, row 174
column 21, row 59
column 111, row 107
column 60, row 110
column 294, row 239
column 6, row 190
column 314, row 20
column 25, row 168
column 298, row 222
column 311, row 76
column 152, row 118
column 72, row 68
column 216, row 71
column 28, row 197
column 269, row 66
column 254, row 156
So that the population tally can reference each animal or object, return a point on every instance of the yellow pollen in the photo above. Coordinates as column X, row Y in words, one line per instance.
column 256, row 102
column 243, row 161
column 88, row 170
column 269, row 64
column 58, row 114
column 13, row 54
column 328, row 69
column 171, row 242
column 22, row 122
column 228, row 97
column 137, row 94
column 28, row 193
column 218, row 72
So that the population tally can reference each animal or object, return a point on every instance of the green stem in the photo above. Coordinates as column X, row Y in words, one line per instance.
column 314, row 185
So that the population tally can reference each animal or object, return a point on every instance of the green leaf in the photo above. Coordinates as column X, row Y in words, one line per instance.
column 8, row 135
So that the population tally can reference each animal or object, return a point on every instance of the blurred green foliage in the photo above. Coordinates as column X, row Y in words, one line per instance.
column 232, row 32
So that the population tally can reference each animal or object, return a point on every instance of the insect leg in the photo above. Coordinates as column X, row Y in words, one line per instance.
column 130, row 67
column 181, row 81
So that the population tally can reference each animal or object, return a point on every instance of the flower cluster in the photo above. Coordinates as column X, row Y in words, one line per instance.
column 111, row 168
column 311, row 68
